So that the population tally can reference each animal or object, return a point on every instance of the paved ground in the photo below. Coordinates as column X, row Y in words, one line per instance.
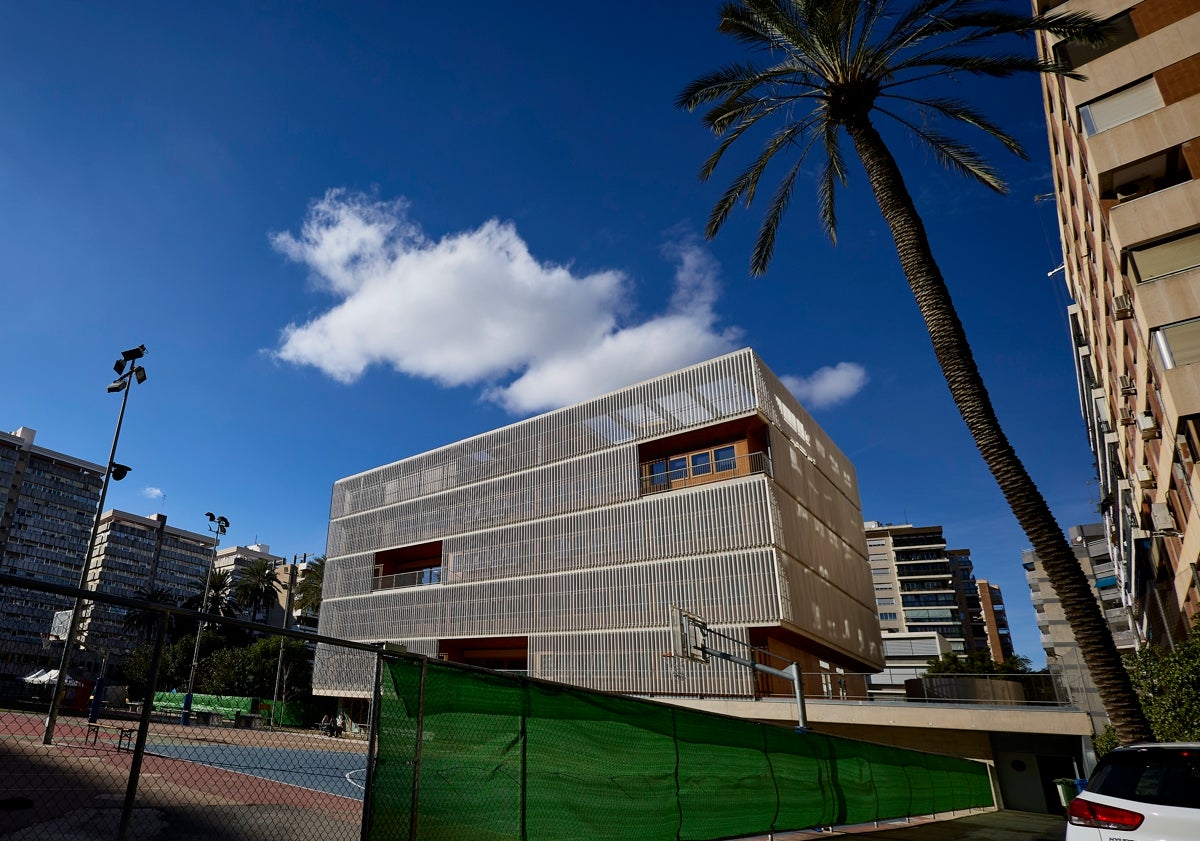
column 983, row 826
column 73, row 790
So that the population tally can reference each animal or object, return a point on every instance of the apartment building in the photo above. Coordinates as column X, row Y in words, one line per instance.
column 235, row 560
column 289, row 576
column 47, row 505
column 1125, row 146
column 923, row 587
column 1091, row 545
column 132, row 557
column 558, row 545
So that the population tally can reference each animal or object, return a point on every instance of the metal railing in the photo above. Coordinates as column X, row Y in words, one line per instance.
column 413, row 578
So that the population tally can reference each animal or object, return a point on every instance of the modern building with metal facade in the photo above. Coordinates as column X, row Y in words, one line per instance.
column 1125, row 146
column 559, row 545
column 921, row 587
column 47, row 505
column 135, row 554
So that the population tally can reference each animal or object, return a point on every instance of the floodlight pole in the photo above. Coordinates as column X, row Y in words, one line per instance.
column 287, row 619
column 124, row 384
column 216, row 525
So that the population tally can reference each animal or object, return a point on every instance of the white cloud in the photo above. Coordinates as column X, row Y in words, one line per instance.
column 476, row 308
column 828, row 386
column 153, row 493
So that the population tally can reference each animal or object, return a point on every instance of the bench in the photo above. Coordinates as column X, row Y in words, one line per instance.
column 126, row 736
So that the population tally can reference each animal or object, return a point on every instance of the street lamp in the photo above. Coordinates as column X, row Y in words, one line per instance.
column 217, row 525
column 127, row 371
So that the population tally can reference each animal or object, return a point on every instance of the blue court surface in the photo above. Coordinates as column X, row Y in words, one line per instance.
column 333, row 772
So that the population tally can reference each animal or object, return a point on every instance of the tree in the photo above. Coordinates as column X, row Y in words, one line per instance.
column 308, row 588
column 144, row 620
column 219, row 596
column 1169, row 685
column 977, row 663
column 832, row 66
column 257, row 587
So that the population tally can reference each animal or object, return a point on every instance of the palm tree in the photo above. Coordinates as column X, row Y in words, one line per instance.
column 219, row 596
column 308, row 588
column 257, row 586
column 144, row 620
column 832, row 66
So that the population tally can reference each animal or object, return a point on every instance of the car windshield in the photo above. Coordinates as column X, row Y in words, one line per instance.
column 1166, row 776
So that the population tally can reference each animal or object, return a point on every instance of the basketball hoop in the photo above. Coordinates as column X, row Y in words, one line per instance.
column 47, row 639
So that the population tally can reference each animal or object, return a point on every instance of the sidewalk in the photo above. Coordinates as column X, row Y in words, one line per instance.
column 1005, row 825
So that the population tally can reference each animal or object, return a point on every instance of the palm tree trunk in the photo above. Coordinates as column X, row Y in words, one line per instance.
column 971, row 397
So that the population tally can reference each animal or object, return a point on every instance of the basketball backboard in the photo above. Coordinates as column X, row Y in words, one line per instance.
column 61, row 624
column 689, row 635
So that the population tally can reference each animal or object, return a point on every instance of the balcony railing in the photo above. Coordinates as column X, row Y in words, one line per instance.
column 415, row 578
column 689, row 475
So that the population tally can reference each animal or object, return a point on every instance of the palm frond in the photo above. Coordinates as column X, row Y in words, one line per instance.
column 997, row 66
column 832, row 172
column 744, row 187
column 730, row 80
column 956, row 109
column 764, row 244
column 955, row 155
column 760, row 111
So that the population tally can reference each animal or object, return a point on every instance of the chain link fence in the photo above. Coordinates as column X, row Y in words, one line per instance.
column 254, row 756
column 425, row 751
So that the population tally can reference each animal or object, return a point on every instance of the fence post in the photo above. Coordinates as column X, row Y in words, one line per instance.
column 416, row 785
column 139, row 748
column 372, row 736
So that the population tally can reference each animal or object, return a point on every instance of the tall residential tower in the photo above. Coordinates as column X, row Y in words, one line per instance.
column 1125, row 145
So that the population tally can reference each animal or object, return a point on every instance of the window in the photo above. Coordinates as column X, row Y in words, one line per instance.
column 887, row 617
column 726, row 458
column 709, row 464
column 1120, row 106
column 1075, row 53
column 1178, row 344
column 1166, row 257
column 884, row 602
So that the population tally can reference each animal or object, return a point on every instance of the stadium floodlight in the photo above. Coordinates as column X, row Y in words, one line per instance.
column 218, row 526
column 112, row 471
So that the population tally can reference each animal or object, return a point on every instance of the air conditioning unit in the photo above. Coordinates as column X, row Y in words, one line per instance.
column 1160, row 515
column 1144, row 477
column 1127, row 417
column 1148, row 426
column 1134, row 189
column 1122, row 306
column 1128, row 386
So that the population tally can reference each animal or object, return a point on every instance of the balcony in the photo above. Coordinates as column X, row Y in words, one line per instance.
column 700, row 468
column 414, row 578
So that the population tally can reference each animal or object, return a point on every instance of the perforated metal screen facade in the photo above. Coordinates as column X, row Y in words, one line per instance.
column 547, row 532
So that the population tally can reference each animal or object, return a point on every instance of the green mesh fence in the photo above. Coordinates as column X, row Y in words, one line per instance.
column 469, row 754
column 226, row 705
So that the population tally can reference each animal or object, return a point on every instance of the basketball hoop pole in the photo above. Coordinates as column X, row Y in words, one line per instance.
column 691, row 641
column 792, row 673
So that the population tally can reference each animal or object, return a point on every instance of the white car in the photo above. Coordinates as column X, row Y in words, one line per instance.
column 1140, row 793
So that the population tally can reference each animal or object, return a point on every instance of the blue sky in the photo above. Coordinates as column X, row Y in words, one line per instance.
column 350, row 233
